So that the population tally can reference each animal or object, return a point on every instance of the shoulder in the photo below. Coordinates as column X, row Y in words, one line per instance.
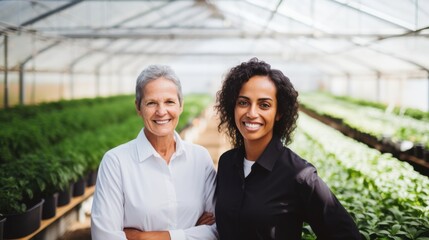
column 305, row 172
column 196, row 151
column 227, row 157
column 289, row 159
column 292, row 159
column 120, row 152
column 189, row 146
column 194, row 148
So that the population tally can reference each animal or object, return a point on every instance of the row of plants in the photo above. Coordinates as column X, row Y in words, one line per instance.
column 385, row 196
column 46, row 171
column 25, row 135
column 402, row 132
column 30, row 111
column 407, row 111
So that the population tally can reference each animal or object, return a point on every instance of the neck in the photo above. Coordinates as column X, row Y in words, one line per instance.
column 165, row 146
column 254, row 149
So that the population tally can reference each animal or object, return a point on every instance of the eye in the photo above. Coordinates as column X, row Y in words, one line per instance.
column 150, row 104
column 170, row 102
column 242, row 103
column 265, row 105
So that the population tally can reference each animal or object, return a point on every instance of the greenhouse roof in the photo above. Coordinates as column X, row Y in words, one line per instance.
column 332, row 37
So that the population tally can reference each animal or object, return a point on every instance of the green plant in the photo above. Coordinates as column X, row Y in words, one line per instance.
column 12, row 192
column 385, row 196
column 368, row 118
column 51, row 168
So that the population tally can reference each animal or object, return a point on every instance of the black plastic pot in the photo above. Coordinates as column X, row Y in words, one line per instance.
column 92, row 178
column 427, row 155
column 23, row 224
column 79, row 187
column 64, row 196
column 2, row 220
column 50, row 206
column 419, row 150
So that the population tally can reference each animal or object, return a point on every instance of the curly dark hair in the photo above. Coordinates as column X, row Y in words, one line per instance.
column 287, row 100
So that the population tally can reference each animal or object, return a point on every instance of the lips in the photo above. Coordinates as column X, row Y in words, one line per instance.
column 162, row 122
column 252, row 126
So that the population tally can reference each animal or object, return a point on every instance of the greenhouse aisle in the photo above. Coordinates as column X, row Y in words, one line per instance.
column 203, row 132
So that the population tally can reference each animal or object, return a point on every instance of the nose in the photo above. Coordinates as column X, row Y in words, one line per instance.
column 252, row 112
column 161, row 109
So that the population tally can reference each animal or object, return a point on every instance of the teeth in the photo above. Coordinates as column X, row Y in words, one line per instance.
column 252, row 125
column 162, row 121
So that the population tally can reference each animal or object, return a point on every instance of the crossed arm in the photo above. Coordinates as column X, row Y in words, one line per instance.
column 134, row 234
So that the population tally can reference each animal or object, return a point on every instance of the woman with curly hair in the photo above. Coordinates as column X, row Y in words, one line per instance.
column 264, row 189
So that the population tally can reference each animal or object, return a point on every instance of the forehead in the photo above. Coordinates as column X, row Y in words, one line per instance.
column 160, row 87
column 260, row 86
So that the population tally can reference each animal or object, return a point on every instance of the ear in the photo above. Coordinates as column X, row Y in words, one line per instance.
column 182, row 106
column 278, row 116
column 138, row 109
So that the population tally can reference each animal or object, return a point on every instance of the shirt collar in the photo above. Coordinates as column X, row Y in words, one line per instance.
column 268, row 157
column 145, row 150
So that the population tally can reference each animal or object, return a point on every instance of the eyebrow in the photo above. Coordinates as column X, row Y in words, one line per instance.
column 259, row 99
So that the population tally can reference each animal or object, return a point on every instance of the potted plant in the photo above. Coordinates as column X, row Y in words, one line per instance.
column 22, row 211
column 73, row 169
column 51, row 180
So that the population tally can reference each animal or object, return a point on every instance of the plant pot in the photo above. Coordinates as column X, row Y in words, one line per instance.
column 2, row 220
column 79, row 187
column 92, row 178
column 50, row 206
column 419, row 150
column 427, row 155
column 23, row 224
column 64, row 196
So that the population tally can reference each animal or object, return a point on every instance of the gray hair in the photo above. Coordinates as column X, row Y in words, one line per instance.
column 152, row 73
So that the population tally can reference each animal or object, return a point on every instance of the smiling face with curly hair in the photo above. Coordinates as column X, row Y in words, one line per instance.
column 255, row 111
column 236, row 80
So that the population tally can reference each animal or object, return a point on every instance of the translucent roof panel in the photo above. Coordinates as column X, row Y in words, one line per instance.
column 333, row 36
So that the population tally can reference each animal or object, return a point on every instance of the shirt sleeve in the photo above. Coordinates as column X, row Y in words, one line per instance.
column 205, row 232
column 322, row 210
column 107, row 214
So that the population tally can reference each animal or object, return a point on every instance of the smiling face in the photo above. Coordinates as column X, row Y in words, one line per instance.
column 160, row 108
column 255, row 110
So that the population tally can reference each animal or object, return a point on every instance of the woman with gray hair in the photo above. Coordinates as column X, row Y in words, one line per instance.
column 156, row 186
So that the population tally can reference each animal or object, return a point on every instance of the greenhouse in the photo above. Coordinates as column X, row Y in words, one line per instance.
column 68, row 96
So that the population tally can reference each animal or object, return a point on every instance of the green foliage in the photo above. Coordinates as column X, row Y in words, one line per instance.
column 385, row 196
column 25, row 135
column 50, row 165
column 194, row 104
column 369, row 118
column 411, row 112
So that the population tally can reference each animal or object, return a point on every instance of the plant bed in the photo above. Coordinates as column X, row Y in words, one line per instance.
column 22, row 224
column 386, row 197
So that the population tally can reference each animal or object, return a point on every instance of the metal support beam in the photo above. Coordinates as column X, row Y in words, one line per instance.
column 374, row 13
column 49, row 13
column 428, row 91
column 349, row 84
column 22, row 69
column 71, row 86
column 97, row 82
column 21, row 84
column 378, row 87
column 6, row 85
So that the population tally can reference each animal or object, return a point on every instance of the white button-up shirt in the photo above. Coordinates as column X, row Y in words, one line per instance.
column 137, row 189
